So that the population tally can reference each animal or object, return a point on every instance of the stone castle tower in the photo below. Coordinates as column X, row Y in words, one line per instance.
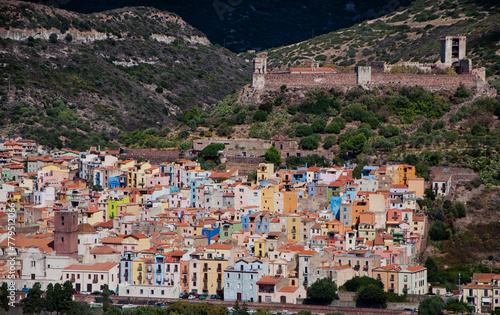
column 453, row 49
column 66, row 233
column 260, row 64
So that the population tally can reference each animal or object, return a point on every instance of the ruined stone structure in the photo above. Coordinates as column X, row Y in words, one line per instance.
column 453, row 55
column 452, row 49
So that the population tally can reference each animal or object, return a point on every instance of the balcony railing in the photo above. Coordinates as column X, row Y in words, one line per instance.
column 205, row 269
column 356, row 267
column 266, row 290
column 365, row 268
column 139, row 268
column 95, row 281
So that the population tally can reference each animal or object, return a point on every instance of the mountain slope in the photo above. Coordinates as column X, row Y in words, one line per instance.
column 410, row 34
column 113, row 71
column 256, row 24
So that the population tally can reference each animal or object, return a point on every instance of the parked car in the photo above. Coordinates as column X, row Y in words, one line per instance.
column 183, row 295
column 448, row 294
column 192, row 297
column 214, row 297
column 159, row 304
column 202, row 297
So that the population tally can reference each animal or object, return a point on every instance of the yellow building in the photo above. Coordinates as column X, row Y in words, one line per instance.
column 400, row 174
column 128, row 208
column 142, row 270
column 334, row 225
column 293, row 227
column 267, row 197
column 137, row 175
column 290, row 200
column 125, row 165
column 212, row 264
column 265, row 171
column 141, row 241
column 260, row 248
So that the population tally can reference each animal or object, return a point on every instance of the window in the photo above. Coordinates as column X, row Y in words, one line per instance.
column 162, row 292
column 406, row 278
column 62, row 239
column 32, row 276
column 102, row 277
column 142, row 291
column 78, row 276
column 227, row 275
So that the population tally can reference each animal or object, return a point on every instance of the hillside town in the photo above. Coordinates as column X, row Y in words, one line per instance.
column 173, row 229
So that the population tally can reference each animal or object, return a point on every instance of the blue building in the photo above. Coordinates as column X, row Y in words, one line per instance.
column 114, row 182
column 335, row 206
column 240, row 280
column 210, row 233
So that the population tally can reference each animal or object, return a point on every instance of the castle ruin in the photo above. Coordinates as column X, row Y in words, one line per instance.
column 452, row 55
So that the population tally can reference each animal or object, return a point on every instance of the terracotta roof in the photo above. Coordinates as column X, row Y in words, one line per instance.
column 85, row 228
column 95, row 267
column 268, row 280
column 102, row 250
column 288, row 289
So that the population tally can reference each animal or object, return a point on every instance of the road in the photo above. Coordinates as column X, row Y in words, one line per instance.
column 289, row 308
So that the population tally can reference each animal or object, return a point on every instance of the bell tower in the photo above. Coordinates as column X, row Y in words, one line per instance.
column 66, row 233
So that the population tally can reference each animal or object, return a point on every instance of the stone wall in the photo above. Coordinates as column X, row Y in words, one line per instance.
column 346, row 81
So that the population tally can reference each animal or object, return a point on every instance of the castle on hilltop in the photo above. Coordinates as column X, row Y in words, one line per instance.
column 452, row 56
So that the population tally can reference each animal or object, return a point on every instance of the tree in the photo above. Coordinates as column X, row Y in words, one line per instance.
column 50, row 300
column 273, row 155
column 4, row 297
column 355, row 143
column 53, row 38
column 329, row 142
column 354, row 284
column 303, row 131
column 433, row 305
column 323, row 291
column 439, row 231
column 309, row 143
column 211, row 151
column 105, row 298
column 260, row 115
column 371, row 296
column 33, row 302
column 318, row 125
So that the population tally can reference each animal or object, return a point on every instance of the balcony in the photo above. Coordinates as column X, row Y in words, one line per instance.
column 205, row 269
column 219, row 269
column 139, row 268
column 95, row 280
column 391, row 290
column 72, row 279
column 379, row 278
column 184, row 271
column 279, row 271
column 158, row 270
column 365, row 268
column 356, row 267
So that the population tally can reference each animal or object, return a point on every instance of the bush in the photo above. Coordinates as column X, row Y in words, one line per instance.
column 323, row 291
column 354, row 284
column 318, row 125
column 329, row 142
column 310, row 142
column 431, row 306
column 439, row 231
column 303, row 131
column 260, row 116
column 371, row 296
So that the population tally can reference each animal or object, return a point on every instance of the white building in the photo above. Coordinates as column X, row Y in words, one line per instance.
column 92, row 277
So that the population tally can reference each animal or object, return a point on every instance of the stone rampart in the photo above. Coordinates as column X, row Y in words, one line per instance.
column 346, row 81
